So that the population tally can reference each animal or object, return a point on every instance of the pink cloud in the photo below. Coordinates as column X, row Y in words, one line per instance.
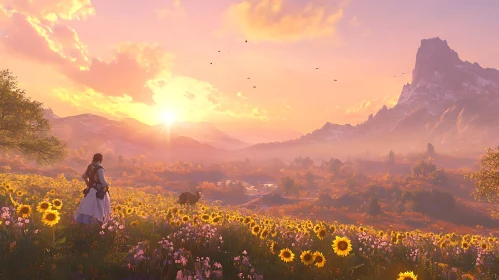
column 127, row 73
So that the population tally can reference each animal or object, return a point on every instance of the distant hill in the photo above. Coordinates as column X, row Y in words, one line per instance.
column 127, row 137
column 204, row 132
column 263, row 135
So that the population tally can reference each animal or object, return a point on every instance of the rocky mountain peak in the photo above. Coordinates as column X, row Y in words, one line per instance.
column 434, row 55
column 440, row 78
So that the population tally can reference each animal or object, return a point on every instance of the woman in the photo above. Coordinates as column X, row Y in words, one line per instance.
column 95, row 207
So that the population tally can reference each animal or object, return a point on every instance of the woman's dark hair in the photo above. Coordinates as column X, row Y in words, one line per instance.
column 97, row 158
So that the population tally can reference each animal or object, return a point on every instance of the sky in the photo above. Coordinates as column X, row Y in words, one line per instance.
column 187, row 60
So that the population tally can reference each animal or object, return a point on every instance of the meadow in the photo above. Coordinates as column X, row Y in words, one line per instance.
column 150, row 236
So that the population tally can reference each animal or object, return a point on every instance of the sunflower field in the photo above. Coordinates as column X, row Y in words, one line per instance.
column 151, row 237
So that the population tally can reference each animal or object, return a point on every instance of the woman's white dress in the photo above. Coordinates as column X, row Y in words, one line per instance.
column 92, row 207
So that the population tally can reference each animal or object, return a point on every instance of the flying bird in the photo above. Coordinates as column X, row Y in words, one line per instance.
column 211, row 63
column 246, row 41
column 335, row 80
column 218, row 51
column 317, row 68
column 254, row 86
column 248, row 78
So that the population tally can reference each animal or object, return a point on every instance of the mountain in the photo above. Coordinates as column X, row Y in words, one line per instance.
column 205, row 133
column 263, row 135
column 127, row 137
column 450, row 103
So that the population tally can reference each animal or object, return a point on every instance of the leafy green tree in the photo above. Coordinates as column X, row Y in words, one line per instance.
column 23, row 127
column 487, row 178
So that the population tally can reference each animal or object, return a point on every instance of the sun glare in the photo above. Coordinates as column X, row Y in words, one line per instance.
column 168, row 117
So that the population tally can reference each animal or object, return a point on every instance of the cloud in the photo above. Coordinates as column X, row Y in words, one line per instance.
column 240, row 95
column 131, row 71
column 127, row 73
column 52, row 10
column 189, row 95
column 285, row 20
column 30, row 38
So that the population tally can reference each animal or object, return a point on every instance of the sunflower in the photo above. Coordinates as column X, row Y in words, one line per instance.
column 307, row 258
column 134, row 224
column 24, row 210
column 57, row 203
column 465, row 245
column 129, row 210
column 19, row 193
column 52, row 192
column 332, row 228
column 205, row 217
column 256, row 230
column 264, row 233
column 484, row 246
column 321, row 233
column 319, row 259
column 51, row 217
column 185, row 219
column 381, row 233
column 286, row 255
column 216, row 220
column 408, row 275
column 317, row 227
column 342, row 246
column 43, row 206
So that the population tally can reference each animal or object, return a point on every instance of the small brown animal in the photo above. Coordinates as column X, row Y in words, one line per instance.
column 189, row 198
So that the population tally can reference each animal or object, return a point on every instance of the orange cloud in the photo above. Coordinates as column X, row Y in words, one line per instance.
column 52, row 10
column 284, row 21
column 127, row 73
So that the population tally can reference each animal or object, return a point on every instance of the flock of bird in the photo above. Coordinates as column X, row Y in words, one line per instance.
column 316, row 68
column 246, row 41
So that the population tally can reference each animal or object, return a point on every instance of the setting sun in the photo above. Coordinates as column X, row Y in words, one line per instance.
column 168, row 117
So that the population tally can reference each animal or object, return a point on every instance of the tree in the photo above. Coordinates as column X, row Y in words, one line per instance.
column 391, row 157
column 430, row 150
column 287, row 184
column 487, row 178
column 23, row 127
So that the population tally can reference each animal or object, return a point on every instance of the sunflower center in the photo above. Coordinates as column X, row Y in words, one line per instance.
column 318, row 259
column 408, row 278
column 25, row 210
column 50, row 217
column 322, row 233
column 342, row 245
column 286, row 254
column 307, row 257
column 44, row 206
column 57, row 203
